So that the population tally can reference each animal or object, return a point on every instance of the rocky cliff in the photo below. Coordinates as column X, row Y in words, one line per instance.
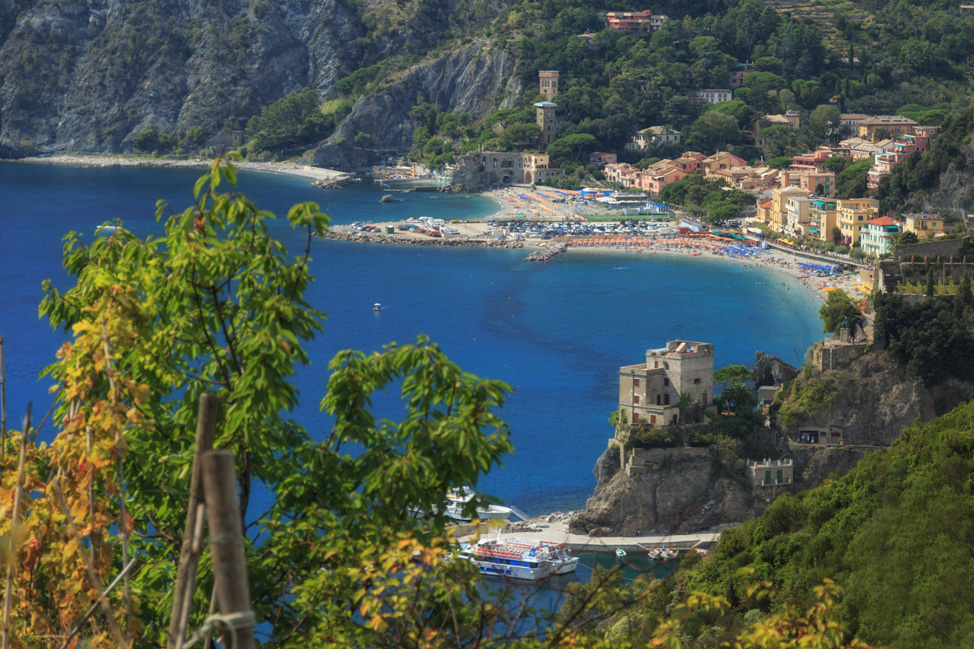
column 670, row 491
column 88, row 75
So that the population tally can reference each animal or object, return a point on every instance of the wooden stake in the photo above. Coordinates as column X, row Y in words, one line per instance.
column 226, row 546
column 3, row 406
column 8, row 592
column 189, row 556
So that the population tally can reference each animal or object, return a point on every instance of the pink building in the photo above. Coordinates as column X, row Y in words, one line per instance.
column 635, row 20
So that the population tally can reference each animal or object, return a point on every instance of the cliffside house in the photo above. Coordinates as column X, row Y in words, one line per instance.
column 649, row 392
column 720, row 161
column 635, row 20
column 770, row 473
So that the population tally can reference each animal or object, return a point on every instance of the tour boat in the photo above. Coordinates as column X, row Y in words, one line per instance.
column 496, row 558
column 562, row 563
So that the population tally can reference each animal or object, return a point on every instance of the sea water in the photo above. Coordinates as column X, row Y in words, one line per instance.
column 557, row 332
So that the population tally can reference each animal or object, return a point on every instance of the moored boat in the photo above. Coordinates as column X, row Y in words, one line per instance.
column 562, row 563
column 457, row 500
column 499, row 561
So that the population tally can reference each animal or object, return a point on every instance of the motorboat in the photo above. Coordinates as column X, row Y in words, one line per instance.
column 376, row 307
column 663, row 554
column 457, row 500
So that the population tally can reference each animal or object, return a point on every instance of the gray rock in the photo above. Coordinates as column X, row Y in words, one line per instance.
column 771, row 370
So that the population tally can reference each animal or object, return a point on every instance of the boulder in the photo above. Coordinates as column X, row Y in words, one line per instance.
column 771, row 370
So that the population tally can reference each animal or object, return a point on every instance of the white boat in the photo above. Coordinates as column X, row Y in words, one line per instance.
column 106, row 228
column 496, row 559
column 457, row 500
column 562, row 563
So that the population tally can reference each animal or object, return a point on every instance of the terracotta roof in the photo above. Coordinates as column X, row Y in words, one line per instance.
column 883, row 220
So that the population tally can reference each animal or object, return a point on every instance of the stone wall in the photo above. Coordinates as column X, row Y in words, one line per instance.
column 837, row 355
column 944, row 248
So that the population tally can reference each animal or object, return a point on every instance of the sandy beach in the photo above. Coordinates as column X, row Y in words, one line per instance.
column 285, row 168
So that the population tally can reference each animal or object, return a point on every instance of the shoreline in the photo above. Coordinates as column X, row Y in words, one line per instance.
column 511, row 203
column 282, row 168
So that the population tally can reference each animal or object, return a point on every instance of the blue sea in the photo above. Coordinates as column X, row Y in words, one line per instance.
column 556, row 332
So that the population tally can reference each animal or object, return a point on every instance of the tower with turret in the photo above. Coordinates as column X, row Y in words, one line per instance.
column 549, row 83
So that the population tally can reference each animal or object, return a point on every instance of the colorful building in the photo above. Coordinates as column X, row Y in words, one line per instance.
column 923, row 225
column 853, row 215
column 891, row 124
column 601, row 159
column 635, row 20
column 822, row 219
column 878, row 237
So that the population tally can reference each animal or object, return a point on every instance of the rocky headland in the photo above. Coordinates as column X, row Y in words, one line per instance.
column 691, row 489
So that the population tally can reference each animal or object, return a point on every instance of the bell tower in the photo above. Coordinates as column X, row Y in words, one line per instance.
column 549, row 83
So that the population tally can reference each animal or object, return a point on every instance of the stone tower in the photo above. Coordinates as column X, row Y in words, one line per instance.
column 546, row 120
column 549, row 83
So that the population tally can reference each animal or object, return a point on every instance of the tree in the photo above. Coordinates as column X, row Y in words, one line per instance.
column 218, row 305
column 713, row 130
column 907, row 238
column 292, row 120
column 572, row 146
column 839, row 310
column 824, row 121
column 931, row 289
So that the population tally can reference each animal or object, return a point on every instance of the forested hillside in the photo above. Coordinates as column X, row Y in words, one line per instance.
column 93, row 75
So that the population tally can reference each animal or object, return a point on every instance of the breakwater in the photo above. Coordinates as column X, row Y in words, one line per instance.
column 347, row 233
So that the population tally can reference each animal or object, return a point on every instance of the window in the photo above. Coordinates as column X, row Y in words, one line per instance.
column 666, row 380
column 666, row 399
column 635, row 417
column 652, row 419
column 635, row 383
column 635, row 399
column 696, row 381
column 655, row 365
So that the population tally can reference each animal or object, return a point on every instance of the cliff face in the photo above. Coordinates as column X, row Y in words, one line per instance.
column 472, row 80
column 676, row 491
column 87, row 75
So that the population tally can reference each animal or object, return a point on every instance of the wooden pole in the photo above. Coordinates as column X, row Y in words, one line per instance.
column 3, row 406
column 189, row 556
column 8, row 592
column 226, row 546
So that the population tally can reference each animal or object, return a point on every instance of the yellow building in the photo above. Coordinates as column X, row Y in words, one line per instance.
column 779, row 206
column 823, row 217
column 923, row 225
column 853, row 215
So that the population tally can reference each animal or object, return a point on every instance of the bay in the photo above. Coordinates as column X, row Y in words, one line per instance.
column 556, row 332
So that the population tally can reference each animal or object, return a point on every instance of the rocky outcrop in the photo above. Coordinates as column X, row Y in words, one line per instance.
column 673, row 491
column 771, row 370
column 475, row 80
column 871, row 402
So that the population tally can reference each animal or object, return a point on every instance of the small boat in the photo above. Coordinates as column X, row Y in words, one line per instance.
column 663, row 554
column 620, row 553
column 377, row 307
column 107, row 228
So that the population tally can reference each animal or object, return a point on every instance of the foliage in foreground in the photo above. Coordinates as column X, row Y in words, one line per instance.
column 338, row 559
column 895, row 533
